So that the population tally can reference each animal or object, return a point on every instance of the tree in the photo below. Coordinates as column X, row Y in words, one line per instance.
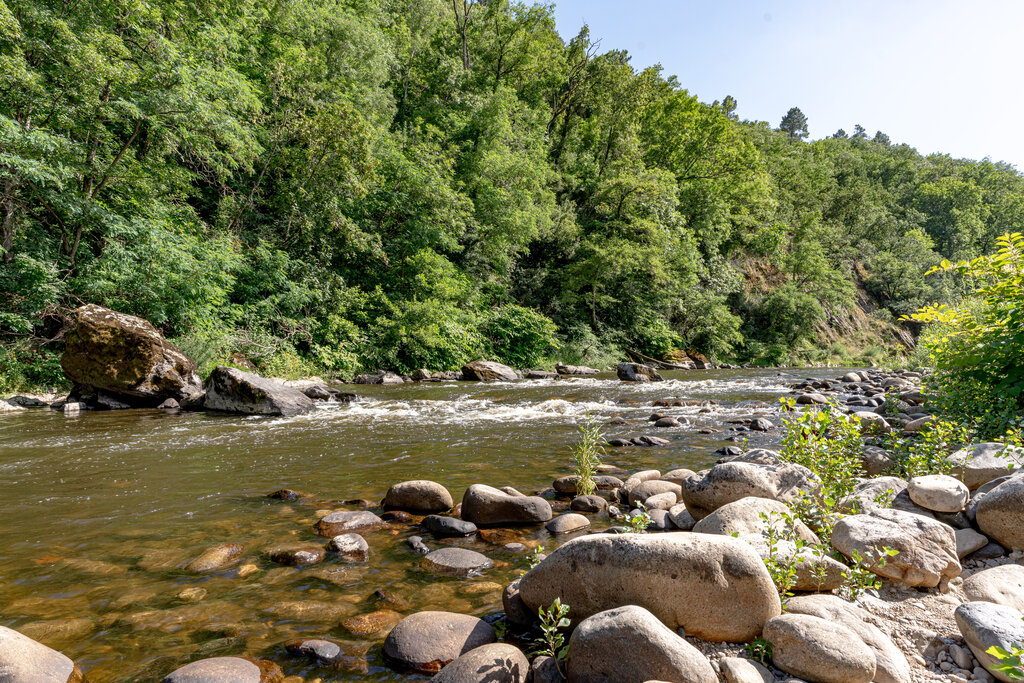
column 794, row 124
column 840, row 135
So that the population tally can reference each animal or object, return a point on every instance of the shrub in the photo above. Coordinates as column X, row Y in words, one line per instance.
column 587, row 456
column 518, row 336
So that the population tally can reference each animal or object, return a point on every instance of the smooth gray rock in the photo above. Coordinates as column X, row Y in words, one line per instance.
column 629, row 645
column 731, row 481
column 350, row 546
column 939, row 493
column 419, row 495
column 744, row 516
column 425, row 642
column 981, row 463
column 567, row 523
column 1002, row 585
column 216, row 670
column 448, row 526
column 456, row 562
column 493, row 663
column 232, row 390
column 986, row 624
column 637, row 372
column 23, row 660
column 347, row 521
column 1000, row 513
column 819, row 650
column 488, row 506
column 488, row 371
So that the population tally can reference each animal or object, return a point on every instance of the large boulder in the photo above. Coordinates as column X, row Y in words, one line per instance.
column 1000, row 513
column 754, row 516
column 126, row 357
column 488, row 371
column 714, row 587
column 231, row 390
column 425, row 642
column 819, row 650
column 419, row 495
column 1003, row 585
column 891, row 665
column 493, row 663
column 487, row 506
column 629, row 645
column 637, row 372
column 986, row 624
column 23, row 660
column 731, row 481
column 981, row 463
column 926, row 548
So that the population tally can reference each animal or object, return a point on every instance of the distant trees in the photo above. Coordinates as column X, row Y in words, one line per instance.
column 794, row 124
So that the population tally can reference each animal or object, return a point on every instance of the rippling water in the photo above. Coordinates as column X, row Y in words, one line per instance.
column 101, row 511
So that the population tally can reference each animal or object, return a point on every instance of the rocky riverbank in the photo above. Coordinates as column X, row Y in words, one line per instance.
column 676, row 602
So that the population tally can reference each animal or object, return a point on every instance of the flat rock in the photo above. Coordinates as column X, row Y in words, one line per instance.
column 426, row 641
column 420, row 496
column 819, row 650
column 564, row 524
column 484, row 505
column 569, row 483
column 926, row 548
column 986, row 624
column 1002, row 585
column 23, row 660
column 629, row 645
column 492, row 663
column 715, row 587
column 347, row 521
column 371, row 622
column 939, row 493
column 232, row 390
column 350, row 546
column 456, row 561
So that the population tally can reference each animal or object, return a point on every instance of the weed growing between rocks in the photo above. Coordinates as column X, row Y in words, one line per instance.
column 760, row 650
column 928, row 451
column 1010, row 664
column 534, row 558
column 551, row 642
column 587, row 456
column 858, row 577
column 638, row 521
column 782, row 566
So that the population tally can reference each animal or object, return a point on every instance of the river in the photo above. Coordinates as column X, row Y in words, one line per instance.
column 102, row 510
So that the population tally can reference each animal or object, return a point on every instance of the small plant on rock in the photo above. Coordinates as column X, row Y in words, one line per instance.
column 553, row 620
column 638, row 520
column 534, row 558
column 587, row 457
column 1010, row 664
column 760, row 650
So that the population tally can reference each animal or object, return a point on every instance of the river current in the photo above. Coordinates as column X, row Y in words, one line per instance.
column 101, row 511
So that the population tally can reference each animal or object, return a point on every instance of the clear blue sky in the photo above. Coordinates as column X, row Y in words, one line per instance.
column 940, row 75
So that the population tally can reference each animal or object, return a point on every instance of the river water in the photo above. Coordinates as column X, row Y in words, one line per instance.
column 100, row 512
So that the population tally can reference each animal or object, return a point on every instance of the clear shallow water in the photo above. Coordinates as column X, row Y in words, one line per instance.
column 101, row 511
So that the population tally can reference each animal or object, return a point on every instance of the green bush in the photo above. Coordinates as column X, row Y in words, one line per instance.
column 422, row 334
column 26, row 368
column 517, row 336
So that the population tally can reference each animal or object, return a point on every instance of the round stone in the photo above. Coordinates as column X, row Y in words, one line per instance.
column 347, row 521
column 216, row 670
column 350, row 546
column 296, row 555
column 419, row 495
column 939, row 493
column 456, row 562
column 567, row 523
column 426, row 641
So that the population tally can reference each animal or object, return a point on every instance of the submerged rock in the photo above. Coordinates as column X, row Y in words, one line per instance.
column 217, row 557
column 350, row 546
column 456, row 561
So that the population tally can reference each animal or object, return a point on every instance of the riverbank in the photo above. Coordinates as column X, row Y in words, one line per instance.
column 135, row 497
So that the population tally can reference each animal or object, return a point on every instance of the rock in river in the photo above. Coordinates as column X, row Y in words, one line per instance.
column 448, row 526
column 426, row 641
column 456, row 561
column 637, row 372
column 225, row 670
column 420, row 495
column 730, row 481
column 126, row 356
column 347, row 521
column 296, row 555
column 629, row 645
column 715, row 587
column 564, row 524
column 232, row 390
column 488, row 371
column 484, row 505
column 493, row 663
column 350, row 546
column 217, row 557
column 23, row 660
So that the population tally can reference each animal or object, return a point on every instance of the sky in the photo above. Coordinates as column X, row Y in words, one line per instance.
column 939, row 75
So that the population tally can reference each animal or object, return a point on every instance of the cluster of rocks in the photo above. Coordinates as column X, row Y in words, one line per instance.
column 475, row 371
column 881, row 400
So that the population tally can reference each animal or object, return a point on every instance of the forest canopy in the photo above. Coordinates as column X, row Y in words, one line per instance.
column 338, row 185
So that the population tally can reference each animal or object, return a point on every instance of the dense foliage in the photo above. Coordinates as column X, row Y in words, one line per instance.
column 345, row 184
column 976, row 345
